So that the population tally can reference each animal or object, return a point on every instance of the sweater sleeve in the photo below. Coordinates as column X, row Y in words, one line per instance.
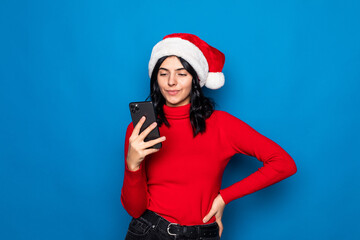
column 277, row 163
column 134, row 194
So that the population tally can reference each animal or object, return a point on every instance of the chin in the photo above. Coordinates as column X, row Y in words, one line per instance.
column 177, row 104
column 176, row 100
column 173, row 101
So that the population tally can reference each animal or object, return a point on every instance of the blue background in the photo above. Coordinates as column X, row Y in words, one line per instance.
column 68, row 70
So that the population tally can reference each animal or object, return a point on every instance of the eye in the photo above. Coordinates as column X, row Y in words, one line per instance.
column 163, row 74
column 183, row 74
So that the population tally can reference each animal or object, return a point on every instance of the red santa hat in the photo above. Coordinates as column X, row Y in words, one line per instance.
column 207, row 61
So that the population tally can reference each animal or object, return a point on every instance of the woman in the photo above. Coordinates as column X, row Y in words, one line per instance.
column 174, row 192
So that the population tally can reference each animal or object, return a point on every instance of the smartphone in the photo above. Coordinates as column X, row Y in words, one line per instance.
column 139, row 109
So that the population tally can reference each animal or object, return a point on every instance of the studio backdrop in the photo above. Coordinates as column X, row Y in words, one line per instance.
column 68, row 70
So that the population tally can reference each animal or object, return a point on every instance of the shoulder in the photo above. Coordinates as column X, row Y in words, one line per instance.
column 228, row 121
column 220, row 115
column 129, row 129
column 130, row 126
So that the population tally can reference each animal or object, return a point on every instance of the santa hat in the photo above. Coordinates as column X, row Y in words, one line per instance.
column 205, row 59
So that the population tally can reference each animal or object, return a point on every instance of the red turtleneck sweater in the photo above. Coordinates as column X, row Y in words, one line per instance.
column 180, row 181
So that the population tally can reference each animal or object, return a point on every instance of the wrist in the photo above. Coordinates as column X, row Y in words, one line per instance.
column 222, row 199
column 133, row 168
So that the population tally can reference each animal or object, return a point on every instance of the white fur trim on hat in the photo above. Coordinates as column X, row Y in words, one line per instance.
column 181, row 48
column 215, row 80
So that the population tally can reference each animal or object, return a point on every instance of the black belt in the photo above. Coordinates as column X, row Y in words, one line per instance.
column 174, row 229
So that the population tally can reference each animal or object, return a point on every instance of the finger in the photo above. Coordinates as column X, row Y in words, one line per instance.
column 209, row 215
column 138, row 126
column 221, row 227
column 154, row 141
column 150, row 151
column 144, row 133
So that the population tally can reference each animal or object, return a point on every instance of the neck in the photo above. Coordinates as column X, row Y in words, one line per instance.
column 179, row 112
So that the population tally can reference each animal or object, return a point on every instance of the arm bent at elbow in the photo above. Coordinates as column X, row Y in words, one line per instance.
column 277, row 163
column 134, row 194
column 279, row 167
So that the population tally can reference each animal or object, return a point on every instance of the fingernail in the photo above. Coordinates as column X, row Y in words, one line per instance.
column 154, row 123
column 204, row 220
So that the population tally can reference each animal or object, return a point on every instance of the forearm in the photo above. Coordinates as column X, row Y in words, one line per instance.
column 134, row 196
column 273, row 171
column 242, row 138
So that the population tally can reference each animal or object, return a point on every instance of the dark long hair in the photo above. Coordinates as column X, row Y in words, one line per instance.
column 201, row 106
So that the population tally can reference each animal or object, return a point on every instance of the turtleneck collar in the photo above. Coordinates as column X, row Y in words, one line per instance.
column 177, row 112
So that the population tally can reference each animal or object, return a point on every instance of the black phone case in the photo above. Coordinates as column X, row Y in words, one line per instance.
column 139, row 109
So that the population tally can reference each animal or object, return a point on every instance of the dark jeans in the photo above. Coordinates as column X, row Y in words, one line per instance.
column 141, row 229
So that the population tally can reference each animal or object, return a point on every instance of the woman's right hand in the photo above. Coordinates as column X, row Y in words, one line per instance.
column 138, row 149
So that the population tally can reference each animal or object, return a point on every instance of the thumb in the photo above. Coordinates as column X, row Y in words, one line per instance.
column 209, row 215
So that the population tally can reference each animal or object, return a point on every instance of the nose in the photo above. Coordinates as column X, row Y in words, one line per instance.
column 172, row 81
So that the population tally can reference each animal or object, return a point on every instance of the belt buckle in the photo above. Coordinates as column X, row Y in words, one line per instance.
column 172, row 234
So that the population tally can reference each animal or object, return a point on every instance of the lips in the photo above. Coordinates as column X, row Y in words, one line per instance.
column 172, row 92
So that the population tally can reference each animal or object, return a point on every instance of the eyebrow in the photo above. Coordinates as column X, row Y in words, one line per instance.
column 175, row 69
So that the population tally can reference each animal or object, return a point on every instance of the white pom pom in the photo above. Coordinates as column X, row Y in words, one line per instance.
column 215, row 80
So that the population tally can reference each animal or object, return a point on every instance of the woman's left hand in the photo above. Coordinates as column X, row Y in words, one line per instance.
column 217, row 209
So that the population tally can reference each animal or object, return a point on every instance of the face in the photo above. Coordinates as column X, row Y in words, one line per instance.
column 174, row 82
